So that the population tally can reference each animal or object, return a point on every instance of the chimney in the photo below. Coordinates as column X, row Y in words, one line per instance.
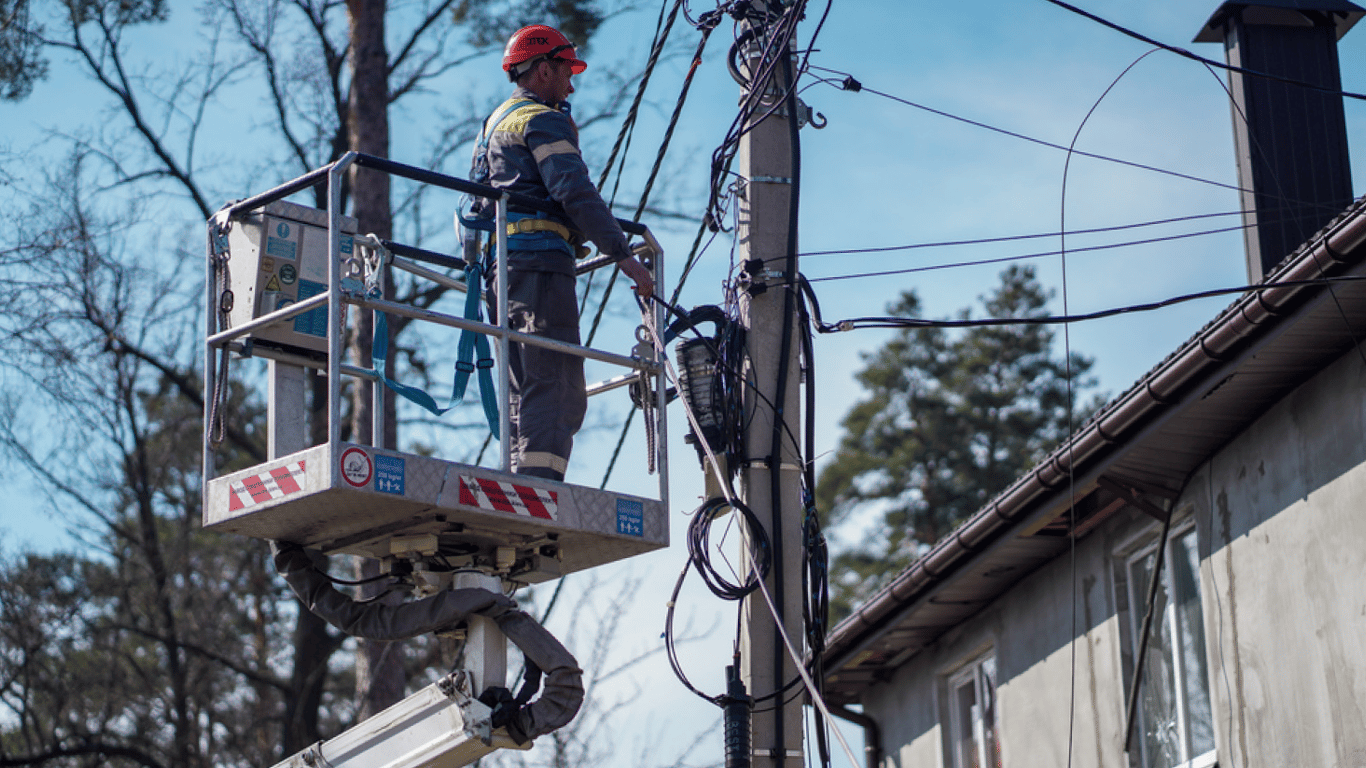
column 1291, row 141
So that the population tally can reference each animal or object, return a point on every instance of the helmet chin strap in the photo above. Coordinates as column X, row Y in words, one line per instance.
column 518, row 70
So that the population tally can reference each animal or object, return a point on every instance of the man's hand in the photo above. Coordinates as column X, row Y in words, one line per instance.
column 645, row 283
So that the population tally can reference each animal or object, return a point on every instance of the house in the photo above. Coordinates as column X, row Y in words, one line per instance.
column 1183, row 582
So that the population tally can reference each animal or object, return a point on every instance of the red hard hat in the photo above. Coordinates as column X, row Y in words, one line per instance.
column 538, row 41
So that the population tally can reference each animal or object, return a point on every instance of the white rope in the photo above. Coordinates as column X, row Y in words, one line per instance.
column 768, row 599
column 806, row 678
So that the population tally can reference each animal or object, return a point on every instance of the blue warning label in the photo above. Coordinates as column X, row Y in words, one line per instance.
column 630, row 517
column 389, row 474
column 314, row 321
column 285, row 249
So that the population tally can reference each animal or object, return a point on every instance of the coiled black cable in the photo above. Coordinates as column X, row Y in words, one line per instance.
column 699, row 549
column 699, row 556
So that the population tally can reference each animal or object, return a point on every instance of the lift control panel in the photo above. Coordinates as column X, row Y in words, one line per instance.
column 278, row 256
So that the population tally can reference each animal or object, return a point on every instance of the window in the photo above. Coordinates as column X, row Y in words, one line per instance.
column 1175, row 724
column 973, row 737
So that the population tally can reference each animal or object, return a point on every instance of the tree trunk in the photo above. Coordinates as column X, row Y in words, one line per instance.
column 379, row 668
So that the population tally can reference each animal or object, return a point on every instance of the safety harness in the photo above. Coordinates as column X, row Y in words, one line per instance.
column 525, row 231
column 466, row 363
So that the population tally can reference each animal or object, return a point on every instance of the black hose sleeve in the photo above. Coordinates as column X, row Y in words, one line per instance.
column 562, row 693
column 376, row 620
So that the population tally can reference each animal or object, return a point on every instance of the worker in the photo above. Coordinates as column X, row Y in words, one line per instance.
column 530, row 146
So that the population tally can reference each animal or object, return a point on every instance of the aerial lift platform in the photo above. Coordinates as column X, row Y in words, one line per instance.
column 281, row 277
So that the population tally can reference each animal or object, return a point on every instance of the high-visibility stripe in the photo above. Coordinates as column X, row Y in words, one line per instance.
column 284, row 478
column 531, row 498
column 512, row 498
column 561, row 147
column 259, row 487
column 273, row 484
column 516, row 122
column 543, row 459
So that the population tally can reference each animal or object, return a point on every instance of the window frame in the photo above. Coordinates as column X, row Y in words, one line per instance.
column 971, row 673
column 1133, row 601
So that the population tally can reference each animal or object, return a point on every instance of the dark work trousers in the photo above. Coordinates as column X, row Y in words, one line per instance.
column 547, row 389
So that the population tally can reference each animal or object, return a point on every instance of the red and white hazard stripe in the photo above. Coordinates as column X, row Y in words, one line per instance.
column 272, row 484
column 509, row 497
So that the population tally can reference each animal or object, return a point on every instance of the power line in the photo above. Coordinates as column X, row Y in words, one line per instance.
column 850, row 84
column 1035, row 236
column 1201, row 59
column 1024, row 257
column 859, row 323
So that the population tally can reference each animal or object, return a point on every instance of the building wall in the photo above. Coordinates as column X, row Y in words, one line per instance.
column 1285, row 579
column 1280, row 519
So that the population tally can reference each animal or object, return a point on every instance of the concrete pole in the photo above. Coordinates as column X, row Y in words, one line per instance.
column 765, row 156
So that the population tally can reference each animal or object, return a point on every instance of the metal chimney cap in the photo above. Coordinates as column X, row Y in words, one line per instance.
column 1290, row 13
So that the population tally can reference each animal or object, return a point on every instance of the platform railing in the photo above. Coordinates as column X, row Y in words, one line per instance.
column 336, row 298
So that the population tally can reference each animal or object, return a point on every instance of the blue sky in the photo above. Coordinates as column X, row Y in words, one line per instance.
column 882, row 173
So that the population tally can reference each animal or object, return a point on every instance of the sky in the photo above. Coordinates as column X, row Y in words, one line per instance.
column 884, row 173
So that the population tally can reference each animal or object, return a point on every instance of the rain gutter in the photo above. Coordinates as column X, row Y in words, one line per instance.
column 1163, row 390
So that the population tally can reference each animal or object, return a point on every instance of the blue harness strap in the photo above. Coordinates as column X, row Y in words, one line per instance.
column 480, row 173
column 522, row 241
column 466, row 363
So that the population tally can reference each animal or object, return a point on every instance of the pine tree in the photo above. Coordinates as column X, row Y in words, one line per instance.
column 950, row 419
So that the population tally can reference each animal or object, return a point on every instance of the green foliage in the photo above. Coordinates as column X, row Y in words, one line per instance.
column 20, row 62
column 950, row 420
column 489, row 23
column 117, row 13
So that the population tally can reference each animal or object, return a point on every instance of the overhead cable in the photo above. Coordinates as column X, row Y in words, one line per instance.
column 1201, row 59
column 623, row 144
column 850, row 84
column 705, row 29
column 1022, row 257
column 1033, row 236
column 856, row 323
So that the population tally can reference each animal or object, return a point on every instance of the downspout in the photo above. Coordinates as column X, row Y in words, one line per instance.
column 872, row 734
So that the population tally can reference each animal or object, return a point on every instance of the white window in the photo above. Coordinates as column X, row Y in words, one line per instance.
column 974, row 740
column 1175, row 724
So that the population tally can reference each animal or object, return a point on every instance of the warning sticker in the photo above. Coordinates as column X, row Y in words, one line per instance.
column 273, row 284
column 389, row 474
column 272, row 484
column 356, row 467
column 630, row 517
column 314, row 321
column 284, row 249
column 512, row 498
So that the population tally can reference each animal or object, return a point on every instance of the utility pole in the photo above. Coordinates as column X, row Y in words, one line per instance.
column 771, row 477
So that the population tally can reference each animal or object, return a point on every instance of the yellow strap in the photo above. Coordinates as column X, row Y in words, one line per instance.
column 524, row 226
column 516, row 120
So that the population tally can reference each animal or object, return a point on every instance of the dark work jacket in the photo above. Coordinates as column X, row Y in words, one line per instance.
column 534, row 151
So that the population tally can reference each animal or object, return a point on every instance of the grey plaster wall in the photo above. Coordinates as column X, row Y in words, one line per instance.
column 1280, row 515
column 1284, row 579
